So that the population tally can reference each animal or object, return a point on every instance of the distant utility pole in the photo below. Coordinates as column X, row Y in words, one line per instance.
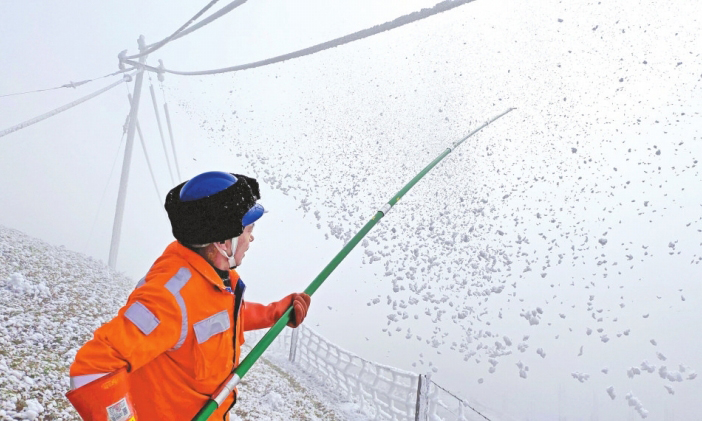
column 121, row 197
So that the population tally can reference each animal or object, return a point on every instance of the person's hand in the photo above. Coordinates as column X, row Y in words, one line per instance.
column 300, row 303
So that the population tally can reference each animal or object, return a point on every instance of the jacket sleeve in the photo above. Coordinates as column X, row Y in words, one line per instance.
column 259, row 316
column 148, row 325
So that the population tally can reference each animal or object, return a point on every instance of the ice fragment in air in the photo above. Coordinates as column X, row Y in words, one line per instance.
column 634, row 402
column 581, row 377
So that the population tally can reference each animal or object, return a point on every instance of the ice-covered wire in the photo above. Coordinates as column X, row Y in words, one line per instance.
column 182, row 31
column 62, row 108
column 460, row 400
column 160, row 130
column 69, row 84
column 170, row 130
column 402, row 20
column 146, row 154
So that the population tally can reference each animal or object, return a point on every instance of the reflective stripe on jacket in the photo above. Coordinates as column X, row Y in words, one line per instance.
column 179, row 335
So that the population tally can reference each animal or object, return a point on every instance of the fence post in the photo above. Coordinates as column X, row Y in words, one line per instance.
column 422, row 413
column 293, row 344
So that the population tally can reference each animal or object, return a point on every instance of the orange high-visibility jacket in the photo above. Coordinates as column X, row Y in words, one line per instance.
column 179, row 336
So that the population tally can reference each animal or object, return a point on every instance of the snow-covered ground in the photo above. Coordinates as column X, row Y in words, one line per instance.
column 51, row 300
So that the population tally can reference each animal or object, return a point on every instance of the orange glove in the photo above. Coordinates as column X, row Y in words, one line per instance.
column 300, row 304
column 105, row 399
column 258, row 316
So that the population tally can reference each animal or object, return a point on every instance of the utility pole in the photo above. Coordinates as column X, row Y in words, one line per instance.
column 122, row 195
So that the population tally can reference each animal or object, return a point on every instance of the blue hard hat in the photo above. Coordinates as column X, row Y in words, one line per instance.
column 253, row 214
column 206, row 184
column 212, row 182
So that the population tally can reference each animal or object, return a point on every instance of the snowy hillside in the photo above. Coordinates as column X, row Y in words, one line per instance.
column 51, row 299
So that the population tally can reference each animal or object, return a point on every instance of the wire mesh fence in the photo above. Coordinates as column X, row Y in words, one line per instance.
column 382, row 392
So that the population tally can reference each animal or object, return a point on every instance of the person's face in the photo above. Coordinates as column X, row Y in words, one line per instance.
column 245, row 239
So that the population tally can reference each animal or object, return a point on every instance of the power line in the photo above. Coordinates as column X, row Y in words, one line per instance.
column 218, row 14
column 63, row 108
column 146, row 154
column 170, row 129
column 160, row 130
column 69, row 84
column 402, row 20
column 155, row 46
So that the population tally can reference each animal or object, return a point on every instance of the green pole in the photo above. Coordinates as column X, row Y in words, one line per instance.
column 258, row 350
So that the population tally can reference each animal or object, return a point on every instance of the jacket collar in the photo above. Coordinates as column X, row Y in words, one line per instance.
column 200, row 264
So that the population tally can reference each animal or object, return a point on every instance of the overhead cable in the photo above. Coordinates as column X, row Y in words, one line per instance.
column 170, row 133
column 52, row 113
column 181, row 32
column 402, row 20
column 160, row 130
column 155, row 46
column 170, row 128
column 69, row 84
column 146, row 154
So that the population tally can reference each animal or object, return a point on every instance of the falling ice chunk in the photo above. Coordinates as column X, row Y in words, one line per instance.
column 669, row 389
column 581, row 377
column 653, row 342
column 603, row 241
column 647, row 367
column 634, row 402
column 610, row 392
column 605, row 370
column 661, row 356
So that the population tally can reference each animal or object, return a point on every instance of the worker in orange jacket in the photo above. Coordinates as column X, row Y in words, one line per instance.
column 179, row 335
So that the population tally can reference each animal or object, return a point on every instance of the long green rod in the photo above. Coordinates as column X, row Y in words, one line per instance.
column 258, row 350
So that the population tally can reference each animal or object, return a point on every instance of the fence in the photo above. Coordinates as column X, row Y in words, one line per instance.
column 382, row 392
